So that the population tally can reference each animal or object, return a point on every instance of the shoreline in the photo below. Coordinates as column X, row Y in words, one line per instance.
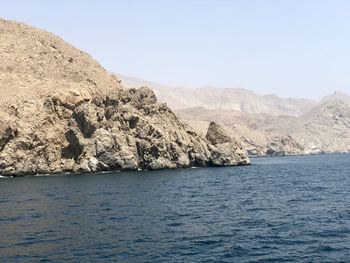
column 56, row 174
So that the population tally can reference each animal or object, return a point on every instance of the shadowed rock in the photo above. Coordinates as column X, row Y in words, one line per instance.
column 6, row 134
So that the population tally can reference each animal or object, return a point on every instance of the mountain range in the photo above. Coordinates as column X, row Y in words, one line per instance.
column 216, row 98
column 264, row 124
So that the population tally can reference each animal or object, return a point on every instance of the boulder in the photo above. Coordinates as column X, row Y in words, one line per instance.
column 226, row 151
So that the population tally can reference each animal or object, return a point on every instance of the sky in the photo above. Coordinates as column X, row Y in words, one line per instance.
column 292, row 48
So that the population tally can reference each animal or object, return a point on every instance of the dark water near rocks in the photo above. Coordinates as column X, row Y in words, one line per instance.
column 290, row 209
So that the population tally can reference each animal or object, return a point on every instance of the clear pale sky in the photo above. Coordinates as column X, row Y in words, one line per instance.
column 295, row 48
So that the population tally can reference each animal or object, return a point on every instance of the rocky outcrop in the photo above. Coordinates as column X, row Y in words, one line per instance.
column 247, row 130
column 283, row 145
column 271, row 145
column 127, row 130
column 62, row 112
column 229, row 151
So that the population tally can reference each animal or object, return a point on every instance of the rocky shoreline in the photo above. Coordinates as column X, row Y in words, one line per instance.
column 127, row 131
column 62, row 112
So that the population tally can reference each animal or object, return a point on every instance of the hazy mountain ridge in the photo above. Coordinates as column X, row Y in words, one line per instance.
column 213, row 98
column 337, row 95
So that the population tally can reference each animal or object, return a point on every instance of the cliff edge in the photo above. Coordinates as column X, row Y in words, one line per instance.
column 60, row 111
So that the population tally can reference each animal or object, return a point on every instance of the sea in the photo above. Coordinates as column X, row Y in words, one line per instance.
column 279, row 209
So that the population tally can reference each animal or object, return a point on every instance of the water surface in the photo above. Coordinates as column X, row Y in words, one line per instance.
column 286, row 209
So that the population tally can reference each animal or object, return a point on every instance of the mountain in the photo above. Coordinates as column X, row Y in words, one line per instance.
column 60, row 111
column 337, row 95
column 264, row 125
column 324, row 129
column 246, row 128
column 214, row 98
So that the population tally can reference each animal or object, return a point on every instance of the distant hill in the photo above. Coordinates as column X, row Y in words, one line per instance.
column 324, row 129
column 265, row 124
column 214, row 98
column 337, row 95
column 256, row 132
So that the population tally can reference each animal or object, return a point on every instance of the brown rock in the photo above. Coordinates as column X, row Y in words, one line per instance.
column 72, row 116
column 227, row 151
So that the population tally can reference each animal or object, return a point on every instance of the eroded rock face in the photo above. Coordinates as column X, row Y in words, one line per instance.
column 255, row 133
column 60, row 111
column 227, row 151
column 127, row 130
column 6, row 134
column 284, row 145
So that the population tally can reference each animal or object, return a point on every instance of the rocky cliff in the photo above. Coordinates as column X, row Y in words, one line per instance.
column 60, row 111
column 231, row 149
column 249, row 130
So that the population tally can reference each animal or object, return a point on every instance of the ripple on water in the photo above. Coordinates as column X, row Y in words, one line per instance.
column 293, row 209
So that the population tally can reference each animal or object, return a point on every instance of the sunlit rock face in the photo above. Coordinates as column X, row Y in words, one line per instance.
column 60, row 111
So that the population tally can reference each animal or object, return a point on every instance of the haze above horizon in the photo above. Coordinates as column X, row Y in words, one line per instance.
column 288, row 48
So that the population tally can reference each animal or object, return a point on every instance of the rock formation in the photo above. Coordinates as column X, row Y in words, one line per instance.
column 250, row 130
column 324, row 129
column 60, row 111
column 229, row 150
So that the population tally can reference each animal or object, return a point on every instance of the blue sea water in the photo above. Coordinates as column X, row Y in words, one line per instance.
column 286, row 209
